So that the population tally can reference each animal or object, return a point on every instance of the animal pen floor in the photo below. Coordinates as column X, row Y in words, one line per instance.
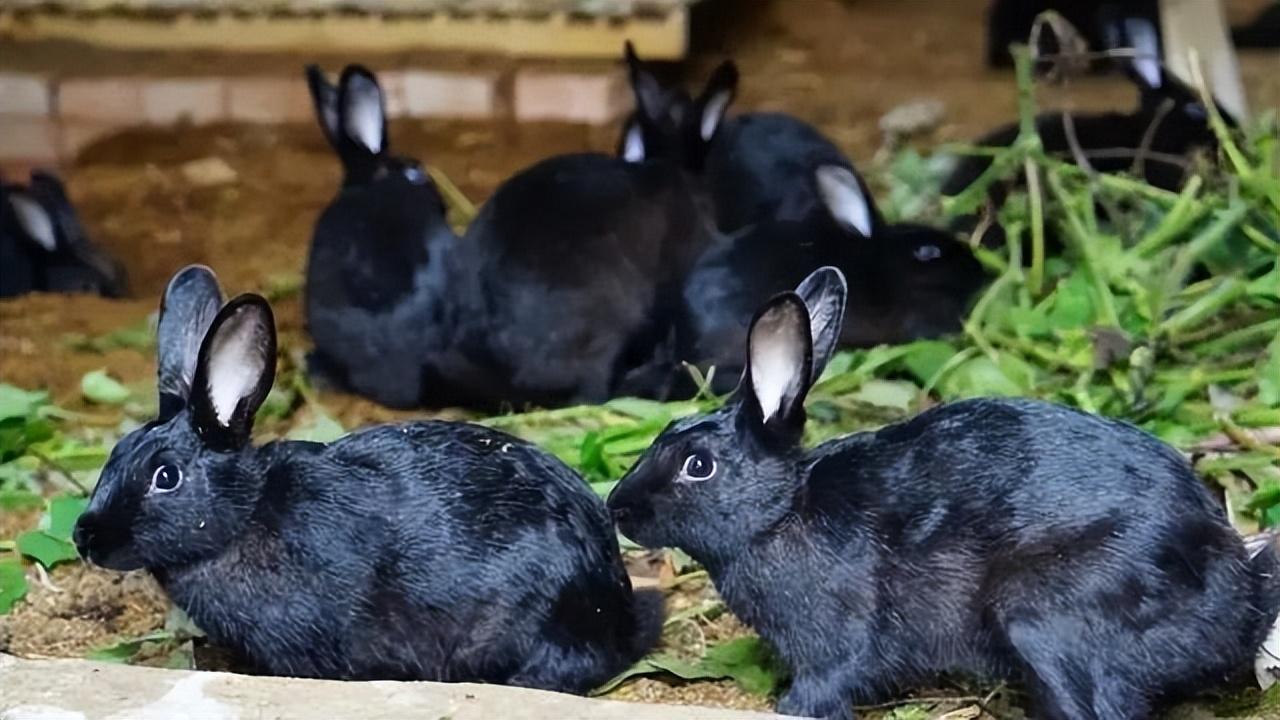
column 840, row 64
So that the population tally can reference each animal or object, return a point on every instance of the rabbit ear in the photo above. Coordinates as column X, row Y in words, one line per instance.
column 779, row 364
column 189, row 305
column 650, row 97
column 1146, row 66
column 234, row 372
column 845, row 198
column 716, row 98
column 824, row 293
column 632, row 147
column 325, row 98
column 364, row 118
column 35, row 220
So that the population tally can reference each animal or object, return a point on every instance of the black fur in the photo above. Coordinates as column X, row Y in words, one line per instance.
column 44, row 248
column 557, row 292
column 563, row 281
column 375, row 257
column 906, row 282
column 1002, row 538
column 427, row 550
column 771, row 179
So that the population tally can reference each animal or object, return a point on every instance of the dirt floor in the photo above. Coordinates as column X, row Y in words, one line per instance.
column 840, row 64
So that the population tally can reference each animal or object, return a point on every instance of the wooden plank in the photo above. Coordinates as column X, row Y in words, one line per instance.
column 558, row 35
column 1201, row 25
column 80, row 690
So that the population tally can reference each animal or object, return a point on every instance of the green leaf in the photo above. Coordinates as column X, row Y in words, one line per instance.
column 1073, row 302
column 125, row 650
column 17, row 500
column 44, row 548
column 926, row 357
column 98, row 387
column 747, row 660
column 18, row 403
column 13, row 584
column 1269, row 376
column 978, row 377
column 639, row 408
column 322, row 428
column 897, row 394
column 63, row 513
column 278, row 403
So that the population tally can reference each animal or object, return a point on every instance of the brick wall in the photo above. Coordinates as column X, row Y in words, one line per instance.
column 47, row 120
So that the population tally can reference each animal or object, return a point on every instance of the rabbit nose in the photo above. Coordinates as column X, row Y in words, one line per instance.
column 85, row 532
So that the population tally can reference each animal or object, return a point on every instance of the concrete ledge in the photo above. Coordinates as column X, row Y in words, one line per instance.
column 81, row 690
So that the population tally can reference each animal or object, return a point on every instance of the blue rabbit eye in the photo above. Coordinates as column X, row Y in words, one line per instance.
column 166, row 478
column 415, row 175
column 925, row 253
column 698, row 466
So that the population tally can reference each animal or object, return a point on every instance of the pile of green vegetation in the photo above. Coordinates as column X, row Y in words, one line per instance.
column 1163, row 311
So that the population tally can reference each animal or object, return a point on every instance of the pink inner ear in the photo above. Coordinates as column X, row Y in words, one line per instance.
column 35, row 221
column 713, row 113
column 777, row 358
column 235, row 364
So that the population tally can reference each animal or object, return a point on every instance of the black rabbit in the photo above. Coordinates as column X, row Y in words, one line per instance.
column 1009, row 22
column 555, row 295
column 755, row 166
column 1155, row 140
column 44, row 248
column 907, row 281
column 1005, row 538
column 375, row 260
column 427, row 550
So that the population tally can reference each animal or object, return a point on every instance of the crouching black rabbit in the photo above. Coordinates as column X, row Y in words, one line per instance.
column 371, row 274
column 1004, row 538
column 426, row 550
column 908, row 281
column 44, row 248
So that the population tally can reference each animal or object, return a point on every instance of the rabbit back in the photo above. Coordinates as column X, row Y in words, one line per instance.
column 372, row 281
column 760, row 166
column 561, row 278
column 1035, row 556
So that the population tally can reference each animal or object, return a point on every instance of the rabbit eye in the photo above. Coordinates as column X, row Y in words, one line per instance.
column 925, row 253
column 698, row 466
column 166, row 478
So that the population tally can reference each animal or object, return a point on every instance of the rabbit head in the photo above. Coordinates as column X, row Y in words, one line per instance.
column 49, row 229
column 709, row 483
column 1177, row 108
column 353, row 117
column 178, row 488
column 670, row 125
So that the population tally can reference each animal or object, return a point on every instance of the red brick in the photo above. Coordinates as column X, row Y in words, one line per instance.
column 269, row 100
column 103, row 99
column 595, row 98
column 197, row 100
column 450, row 94
column 28, row 139
column 23, row 94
